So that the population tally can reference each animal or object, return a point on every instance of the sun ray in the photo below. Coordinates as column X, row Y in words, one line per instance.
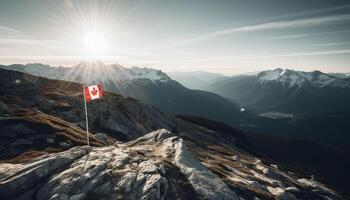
column 95, row 43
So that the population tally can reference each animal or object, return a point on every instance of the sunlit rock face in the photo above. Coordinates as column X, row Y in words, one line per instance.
column 159, row 165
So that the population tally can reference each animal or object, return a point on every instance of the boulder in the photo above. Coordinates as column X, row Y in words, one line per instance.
column 235, row 158
column 26, row 176
column 101, row 136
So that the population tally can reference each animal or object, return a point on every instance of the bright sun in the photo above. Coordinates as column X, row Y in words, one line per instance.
column 95, row 43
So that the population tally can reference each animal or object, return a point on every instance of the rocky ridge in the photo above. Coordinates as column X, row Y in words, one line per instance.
column 159, row 165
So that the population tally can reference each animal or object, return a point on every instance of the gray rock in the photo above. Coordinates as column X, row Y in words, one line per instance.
column 139, row 180
column 292, row 189
column 25, row 176
column 203, row 180
column 258, row 161
column 64, row 144
column 274, row 166
column 281, row 194
column 148, row 167
column 162, row 169
column 235, row 158
column 78, row 196
column 166, row 169
column 102, row 137
column 59, row 197
column 50, row 140
column 126, row 181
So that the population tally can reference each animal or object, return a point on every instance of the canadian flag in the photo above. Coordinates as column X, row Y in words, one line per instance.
column 93, row 92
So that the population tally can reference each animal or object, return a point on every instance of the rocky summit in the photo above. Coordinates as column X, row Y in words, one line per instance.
column 158, row 165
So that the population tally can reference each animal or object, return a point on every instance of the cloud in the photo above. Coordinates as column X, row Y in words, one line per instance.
column 254, row 57
column 7, row 32
column 331, row 44
column 4, row 28
column 317, row 11
column 304, row 35
column 13, row 42
column 306, row 22
column 18, row 41
column 314, row 53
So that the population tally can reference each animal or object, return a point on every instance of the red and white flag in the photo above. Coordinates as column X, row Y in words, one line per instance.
column 93, row 92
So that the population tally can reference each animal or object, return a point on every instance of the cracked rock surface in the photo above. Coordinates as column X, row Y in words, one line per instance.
column 159, row 165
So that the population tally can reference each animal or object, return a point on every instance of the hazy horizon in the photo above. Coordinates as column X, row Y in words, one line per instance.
column 227, row 37
column 182, row 71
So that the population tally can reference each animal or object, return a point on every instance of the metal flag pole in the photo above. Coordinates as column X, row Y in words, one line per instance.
column 86, row 118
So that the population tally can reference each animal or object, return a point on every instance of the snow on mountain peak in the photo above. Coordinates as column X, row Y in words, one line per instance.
column 100, row 72
column 148, row 73
column 93, row 73
column 271, row 74
column 292, row 78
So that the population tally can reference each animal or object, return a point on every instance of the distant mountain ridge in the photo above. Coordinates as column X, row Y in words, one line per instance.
column 312, row 106
column 286, row 91
column 292, row 78
column 340, row 75
column 196, row 79
column 90, row 72
column 149, row 85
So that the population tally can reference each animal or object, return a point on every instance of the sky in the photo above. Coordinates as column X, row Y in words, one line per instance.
column 224, row 36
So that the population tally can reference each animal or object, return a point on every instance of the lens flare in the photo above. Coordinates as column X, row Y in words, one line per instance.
column 95, row 43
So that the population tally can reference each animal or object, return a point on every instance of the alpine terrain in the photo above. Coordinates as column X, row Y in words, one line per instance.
column 136, row 152
column 174, row 100
column 148, row 85
column 286, row 90
column 311, row 106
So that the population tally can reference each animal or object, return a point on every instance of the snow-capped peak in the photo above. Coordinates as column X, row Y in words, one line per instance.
column 100, row 72
column 93, row 72
column 271, row 74
column 292, row 78
column 148, row 73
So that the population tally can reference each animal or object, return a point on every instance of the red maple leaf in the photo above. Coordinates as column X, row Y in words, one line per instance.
column 94, row 91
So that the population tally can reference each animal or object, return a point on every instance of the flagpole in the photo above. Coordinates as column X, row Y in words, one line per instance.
column 86, row 118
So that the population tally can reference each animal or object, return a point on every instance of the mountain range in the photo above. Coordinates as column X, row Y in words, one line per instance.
column 340, row 75
column 196, row 80
column 308, row 106
column 149, row 85
column 287, row 91
column 137, row 151
column 311, row 106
